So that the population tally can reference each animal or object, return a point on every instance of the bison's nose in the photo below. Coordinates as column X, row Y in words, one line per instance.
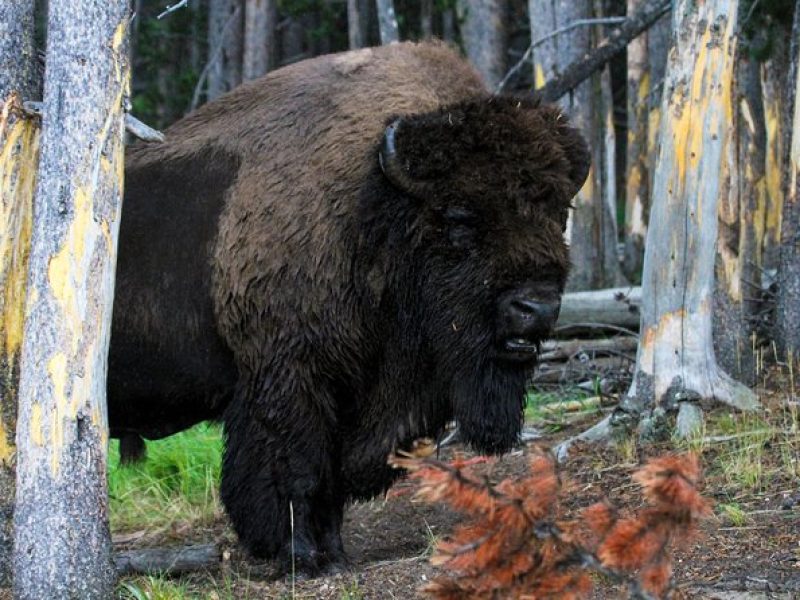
column 527, row 316
column 524, row 321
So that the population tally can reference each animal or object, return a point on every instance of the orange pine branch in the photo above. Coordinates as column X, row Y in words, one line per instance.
column 516, row 544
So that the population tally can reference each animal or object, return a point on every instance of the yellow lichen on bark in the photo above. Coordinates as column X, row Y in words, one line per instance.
column 19, row 137
column 36, row 424
column 538, row 76
column 85, row 237
column 772, row 221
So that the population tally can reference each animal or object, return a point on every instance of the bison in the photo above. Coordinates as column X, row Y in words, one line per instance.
column 337, row 259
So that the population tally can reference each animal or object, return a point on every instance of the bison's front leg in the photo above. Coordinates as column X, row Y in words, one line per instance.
column 279, row 480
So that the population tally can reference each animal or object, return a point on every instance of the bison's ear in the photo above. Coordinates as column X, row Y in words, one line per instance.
column 417, row 152
column 577, row 152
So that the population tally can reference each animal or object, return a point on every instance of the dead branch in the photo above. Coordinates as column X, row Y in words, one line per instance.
column 567, row 28
column 616, row 42
column 567, row 349
column 615, row 306
column 132, row 125
column 173, row 8
column 167, row 561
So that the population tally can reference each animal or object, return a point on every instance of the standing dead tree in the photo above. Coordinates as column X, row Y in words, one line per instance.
column 62, row 543
column 19, row 139
column 676, row 367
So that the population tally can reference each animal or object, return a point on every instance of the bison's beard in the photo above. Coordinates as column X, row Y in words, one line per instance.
column 488, row 402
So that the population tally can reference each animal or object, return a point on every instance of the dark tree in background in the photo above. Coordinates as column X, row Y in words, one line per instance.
column 788, row 301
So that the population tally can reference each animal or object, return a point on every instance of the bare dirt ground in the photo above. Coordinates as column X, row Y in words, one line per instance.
column 750, row 549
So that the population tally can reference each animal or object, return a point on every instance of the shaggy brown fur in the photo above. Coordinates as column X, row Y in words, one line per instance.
column 335, row 312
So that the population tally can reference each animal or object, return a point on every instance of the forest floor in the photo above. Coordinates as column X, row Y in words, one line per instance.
column 750, row 548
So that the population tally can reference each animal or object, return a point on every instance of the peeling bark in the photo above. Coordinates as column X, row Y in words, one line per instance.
column 19, row 143
column 19, row 139
column 647, row 57
column 676, row 361
column 741, row 232
column 774, row 75
column 62, row 544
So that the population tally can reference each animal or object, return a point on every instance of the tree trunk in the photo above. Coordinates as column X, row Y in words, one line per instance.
column 659, row 41
column 355, row 32
column 448, row 25
column 774, row 75
column 637, row 189
column 18, row 67
column 484, row 33
column 292, row 41
column 787, row 313
column 592, row 225
column 387, row 22
column 426, row 19
column 676, row 365
column 19, row 140
column 259, row 38
column 224, row 46
column 62, row 545
column 740, row 240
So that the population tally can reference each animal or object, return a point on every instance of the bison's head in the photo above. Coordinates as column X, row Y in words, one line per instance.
column 474, row 204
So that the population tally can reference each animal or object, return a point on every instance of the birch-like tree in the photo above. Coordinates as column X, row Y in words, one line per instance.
column 62, row 544
column 19, row 139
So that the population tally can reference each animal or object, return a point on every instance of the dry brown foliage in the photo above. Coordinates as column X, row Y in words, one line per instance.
column 516, row 543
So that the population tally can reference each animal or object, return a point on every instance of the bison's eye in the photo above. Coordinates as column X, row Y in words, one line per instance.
column 460, row 226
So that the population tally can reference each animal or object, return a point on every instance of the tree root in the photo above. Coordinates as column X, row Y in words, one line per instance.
column 638, row 414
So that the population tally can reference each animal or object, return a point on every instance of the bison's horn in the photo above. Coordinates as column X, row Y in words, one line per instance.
column 392, row 167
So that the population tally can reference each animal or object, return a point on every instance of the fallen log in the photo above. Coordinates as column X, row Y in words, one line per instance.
column 618, row 307
column 575, row 372
column 561, row 350
column 167, row 561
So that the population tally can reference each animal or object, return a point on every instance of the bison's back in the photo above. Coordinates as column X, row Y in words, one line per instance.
column 284, row 256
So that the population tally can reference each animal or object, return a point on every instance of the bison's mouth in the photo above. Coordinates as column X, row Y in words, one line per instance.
column 519, row 349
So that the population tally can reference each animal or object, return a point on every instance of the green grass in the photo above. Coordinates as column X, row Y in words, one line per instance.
column 178, row 481
column 548, row 410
